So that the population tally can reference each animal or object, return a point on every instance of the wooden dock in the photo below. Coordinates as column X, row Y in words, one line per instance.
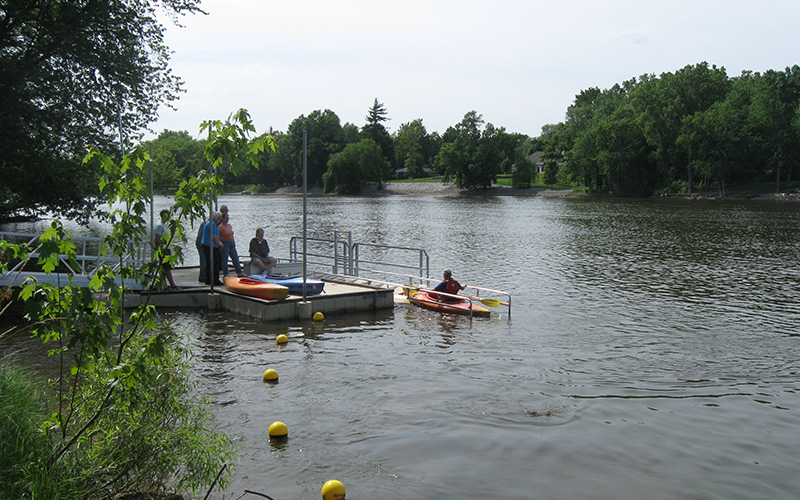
column 339, row 297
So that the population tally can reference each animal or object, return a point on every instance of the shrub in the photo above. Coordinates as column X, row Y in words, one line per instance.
column 24, row 448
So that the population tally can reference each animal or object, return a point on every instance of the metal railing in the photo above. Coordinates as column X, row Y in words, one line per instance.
column 322, row 254
column 366, row 264
column 88, row 258
column 341, row 256
column 383, row 265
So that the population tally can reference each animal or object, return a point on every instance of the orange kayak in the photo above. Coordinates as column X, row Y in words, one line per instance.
column 255, row 288
column 461, row 306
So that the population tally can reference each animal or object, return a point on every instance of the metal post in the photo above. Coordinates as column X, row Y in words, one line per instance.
column 152, row 195
column 210, row 259
column 336, row 252
column 350, row 263
column 305, row 209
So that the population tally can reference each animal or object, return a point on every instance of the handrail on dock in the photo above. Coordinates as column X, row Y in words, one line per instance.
column 88, row 256
column 476, row 296
column 349, row 261
column 347, row 257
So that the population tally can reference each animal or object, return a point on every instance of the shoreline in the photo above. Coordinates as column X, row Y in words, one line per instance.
column 449, row 189
column 437, row 189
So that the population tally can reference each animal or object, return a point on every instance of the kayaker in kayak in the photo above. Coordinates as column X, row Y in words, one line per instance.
column 449, row 285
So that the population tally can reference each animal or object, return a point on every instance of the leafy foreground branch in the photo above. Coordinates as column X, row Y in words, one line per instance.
column 122, row 417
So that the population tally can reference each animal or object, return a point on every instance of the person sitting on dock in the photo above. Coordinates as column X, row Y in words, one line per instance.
column 259, row 254
column 449, row 285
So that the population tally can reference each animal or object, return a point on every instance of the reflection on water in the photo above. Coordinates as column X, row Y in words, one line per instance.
column 651, row 354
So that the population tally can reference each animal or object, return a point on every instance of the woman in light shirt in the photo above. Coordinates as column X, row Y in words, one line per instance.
column 228, row 246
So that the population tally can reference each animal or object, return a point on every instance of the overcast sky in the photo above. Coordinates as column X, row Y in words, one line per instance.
column 519, row 63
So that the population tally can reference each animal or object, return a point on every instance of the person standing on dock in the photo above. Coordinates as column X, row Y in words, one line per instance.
column 259, row 254
column 211, row 244
column 203, row 265
column 228, row 246
column 161, row 240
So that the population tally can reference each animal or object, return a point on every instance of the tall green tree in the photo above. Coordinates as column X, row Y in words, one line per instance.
column 325, row 138
column 774, row 110
column 358, row 164
column 472, row 154
column 665, row 102
column 414, row 149
column 375, row 130
column 522, row 173
column 275, row 167
column 72, row 72
column 551, row 168
column 176, row 156
column 350, row 133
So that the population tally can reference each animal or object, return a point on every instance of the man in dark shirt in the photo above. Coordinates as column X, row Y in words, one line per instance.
column 260, row 259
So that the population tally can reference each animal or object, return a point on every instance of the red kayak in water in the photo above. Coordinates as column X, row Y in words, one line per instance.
column 430, row 300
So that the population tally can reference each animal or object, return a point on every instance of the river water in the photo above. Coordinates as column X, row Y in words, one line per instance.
column 652, row 352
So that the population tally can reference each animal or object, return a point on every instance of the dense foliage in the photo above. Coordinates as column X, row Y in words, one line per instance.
column 471, row 153
column 358, row 163
column 72, row 74
column 124, row 418
column 678, row 130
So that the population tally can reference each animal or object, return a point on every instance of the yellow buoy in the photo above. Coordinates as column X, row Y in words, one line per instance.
column 278, row 430
column 270, row 375
column 333, row 490
column 318, row 316
column 282, row 339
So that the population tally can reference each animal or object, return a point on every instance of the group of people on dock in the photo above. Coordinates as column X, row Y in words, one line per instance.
column 216, row 244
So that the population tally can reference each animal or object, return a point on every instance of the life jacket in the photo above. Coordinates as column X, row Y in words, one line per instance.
column 453, row 286
column 450, row 286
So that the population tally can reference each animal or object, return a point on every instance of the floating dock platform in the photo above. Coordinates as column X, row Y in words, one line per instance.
column 341, row 295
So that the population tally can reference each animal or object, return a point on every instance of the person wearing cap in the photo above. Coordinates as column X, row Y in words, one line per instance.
column 449, row 285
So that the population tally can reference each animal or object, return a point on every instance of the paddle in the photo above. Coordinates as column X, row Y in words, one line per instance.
column 486, row 302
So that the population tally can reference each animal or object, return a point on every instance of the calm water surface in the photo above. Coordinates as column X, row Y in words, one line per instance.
column 652, row 352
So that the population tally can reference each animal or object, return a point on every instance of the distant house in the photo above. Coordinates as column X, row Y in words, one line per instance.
column 538, row 161
column 402, row 173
